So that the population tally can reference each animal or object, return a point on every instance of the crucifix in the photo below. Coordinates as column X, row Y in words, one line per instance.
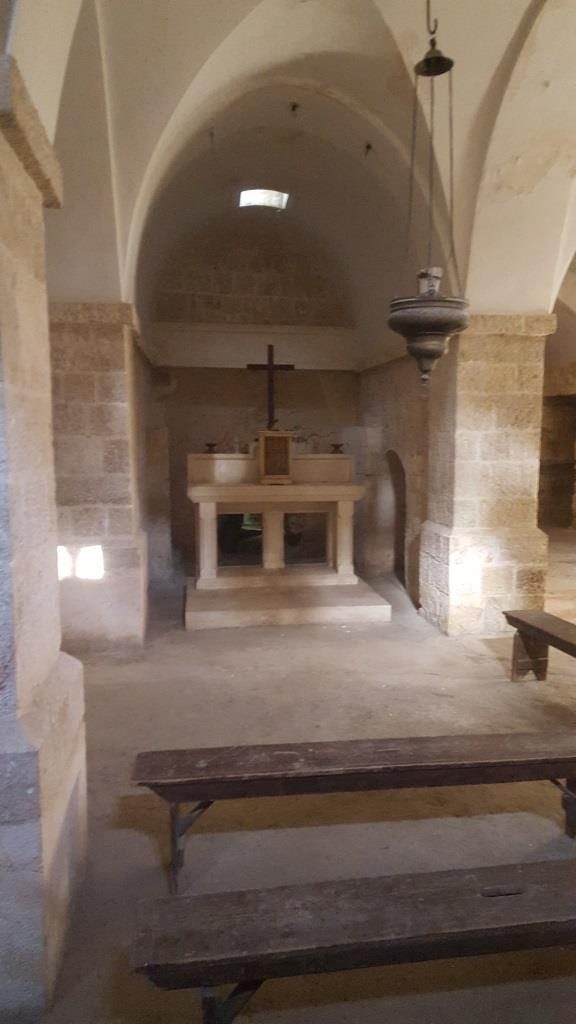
column 271, row 368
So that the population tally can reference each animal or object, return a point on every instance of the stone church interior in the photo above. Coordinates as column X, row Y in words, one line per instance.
column 288, row 512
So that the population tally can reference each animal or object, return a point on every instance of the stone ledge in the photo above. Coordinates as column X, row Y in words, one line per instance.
column 25, row 133
column 108, row 313
column 532, row 325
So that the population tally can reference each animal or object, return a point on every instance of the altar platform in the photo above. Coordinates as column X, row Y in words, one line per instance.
column 296, row 597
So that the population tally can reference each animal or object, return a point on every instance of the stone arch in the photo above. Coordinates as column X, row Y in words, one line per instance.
column 524, row 233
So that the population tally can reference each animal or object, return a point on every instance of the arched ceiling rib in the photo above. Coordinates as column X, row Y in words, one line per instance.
column 40, row 40
column 524, row 233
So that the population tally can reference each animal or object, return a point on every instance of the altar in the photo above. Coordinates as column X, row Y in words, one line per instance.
column 232, row 483
column 229, row 484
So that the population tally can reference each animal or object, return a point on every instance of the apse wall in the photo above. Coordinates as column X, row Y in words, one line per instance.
column 256, row 268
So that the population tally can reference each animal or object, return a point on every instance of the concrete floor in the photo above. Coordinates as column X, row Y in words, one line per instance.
column 314, row 683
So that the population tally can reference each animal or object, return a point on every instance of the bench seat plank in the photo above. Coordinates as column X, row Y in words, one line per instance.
column 214, row 939
column 549, row 629
column 273, row 770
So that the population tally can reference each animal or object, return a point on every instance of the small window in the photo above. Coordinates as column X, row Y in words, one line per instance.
column 264, row 197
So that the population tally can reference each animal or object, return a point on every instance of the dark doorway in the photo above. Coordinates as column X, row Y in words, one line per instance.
column 398, row 484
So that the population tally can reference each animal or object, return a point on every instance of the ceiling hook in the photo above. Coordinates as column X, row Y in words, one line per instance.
column 431, row 23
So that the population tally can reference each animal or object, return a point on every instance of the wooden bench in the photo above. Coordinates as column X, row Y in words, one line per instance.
column 232, row 773
column 245, row 938
column 535, row 633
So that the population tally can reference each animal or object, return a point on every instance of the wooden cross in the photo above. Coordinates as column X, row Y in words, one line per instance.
column 271, row 368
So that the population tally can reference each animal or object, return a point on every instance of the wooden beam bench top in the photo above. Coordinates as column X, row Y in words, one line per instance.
column 250, row 936
column 545, row 627
column 535, row 633
column 233, row 773
column 221, row 773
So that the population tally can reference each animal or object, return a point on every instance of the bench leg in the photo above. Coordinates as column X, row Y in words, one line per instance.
column 529, row 655
column 223, row 1011
column 179, row 826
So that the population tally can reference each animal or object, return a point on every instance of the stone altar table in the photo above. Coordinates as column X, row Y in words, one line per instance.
column 228, row 483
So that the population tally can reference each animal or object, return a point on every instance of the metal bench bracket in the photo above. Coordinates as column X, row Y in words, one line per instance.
column 179, row 826
column 568, row 790
column 216, row 1010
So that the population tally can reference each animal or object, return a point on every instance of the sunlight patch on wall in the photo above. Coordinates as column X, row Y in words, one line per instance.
column 88, row 564
column 65, row 563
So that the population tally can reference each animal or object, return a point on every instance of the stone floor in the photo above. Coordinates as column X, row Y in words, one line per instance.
column 314, row 683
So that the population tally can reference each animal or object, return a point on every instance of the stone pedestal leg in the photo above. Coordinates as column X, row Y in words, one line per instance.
column 481, row 551
column 345, row 539
column 273, row 539
column 207, row 544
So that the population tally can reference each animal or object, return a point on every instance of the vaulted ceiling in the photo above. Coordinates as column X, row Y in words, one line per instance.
column 162, row 111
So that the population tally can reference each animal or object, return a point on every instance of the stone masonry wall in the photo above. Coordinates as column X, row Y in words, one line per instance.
column 96, row 439
column 248, row 273
column 481, row 550
column 394, row 415
column 42, row 742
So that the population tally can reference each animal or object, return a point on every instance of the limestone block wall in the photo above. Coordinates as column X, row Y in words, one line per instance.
column 557, row 466
column 481, row 550
column 394, row 416
column 249, row 272
column 42, row 742
column 98, row 487
column 229, row 406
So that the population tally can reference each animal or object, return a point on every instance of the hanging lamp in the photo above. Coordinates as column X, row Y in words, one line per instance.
column 429, row 319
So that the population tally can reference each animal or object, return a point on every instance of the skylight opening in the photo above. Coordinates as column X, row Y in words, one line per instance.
column 264, row 197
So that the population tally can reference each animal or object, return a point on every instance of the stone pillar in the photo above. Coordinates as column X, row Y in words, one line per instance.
column 345, row 541
column 42, row 749
column 207, row 544
column 99, row 471
column 481, row 550
column 273, row 539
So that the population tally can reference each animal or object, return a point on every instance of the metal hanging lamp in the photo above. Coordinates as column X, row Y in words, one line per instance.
column 429, row 319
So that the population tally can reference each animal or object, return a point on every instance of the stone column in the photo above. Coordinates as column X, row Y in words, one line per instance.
column 481, row 551
column 345, row 541
column 207, row 544
column 42, row 749
column 273, row 539
column 99, row 394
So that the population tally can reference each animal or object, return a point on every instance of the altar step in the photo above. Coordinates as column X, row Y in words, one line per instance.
column 231, row 577
column 293, row 606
